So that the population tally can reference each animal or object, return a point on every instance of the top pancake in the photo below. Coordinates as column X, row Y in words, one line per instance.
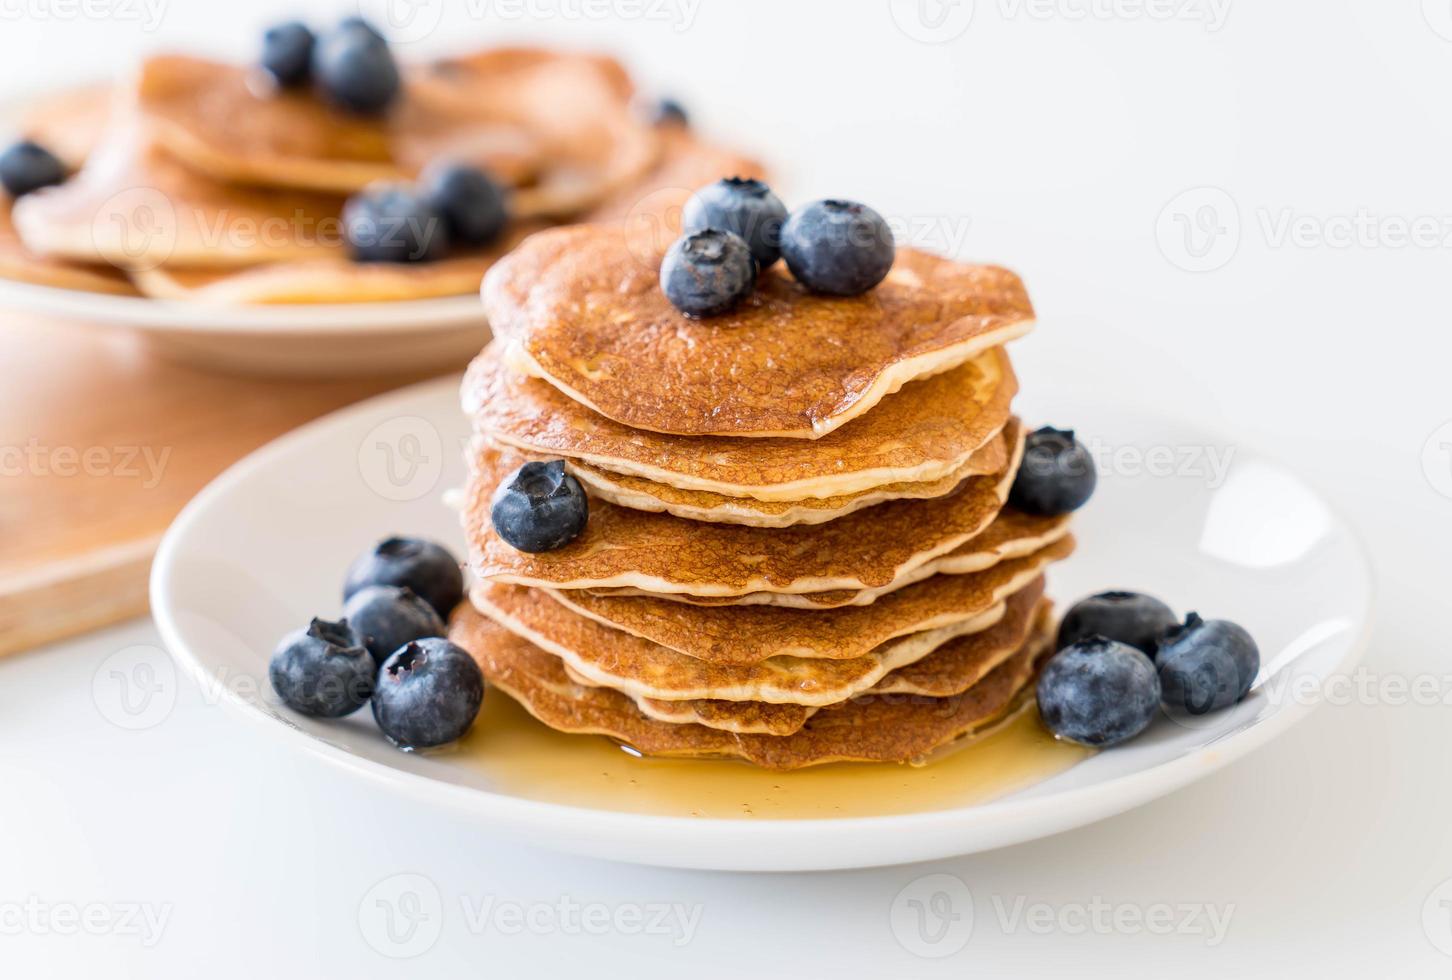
column 924, row 432
column 582, row 308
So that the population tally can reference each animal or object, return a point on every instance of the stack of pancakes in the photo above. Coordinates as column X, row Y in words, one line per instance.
column 197, row 180
column 798, row 549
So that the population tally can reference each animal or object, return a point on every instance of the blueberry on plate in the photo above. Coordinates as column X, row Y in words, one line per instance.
column 425, row 568
column 28, row 166
column 355, row 69
column 428, row 694
column 470, row 202
column 287, row 52
column 742, row 205
column 323, row 670
column 1129, row 617
column 1098, row 692
column 1056, row 476
column 707, row 273
column 667, row 112
column 1206, row 665
column 840, row 248
column 385, row 617
column 539, row 507
column 393, row 223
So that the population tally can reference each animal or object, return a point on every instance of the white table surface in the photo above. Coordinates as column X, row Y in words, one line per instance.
column 1051, row 142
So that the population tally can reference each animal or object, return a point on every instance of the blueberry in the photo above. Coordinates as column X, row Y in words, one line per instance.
column 666, row 111
column 323, row 670
column 840, row 248
column 471, row 203
column 1057, row 474
column 708, row 272
column 1206, row 665
column 27, row 166
column 393, row 223
column 1129, row 617
column 355, row 69
column 385, row 617
column 1098, row 692
column 428, row 694
column 421, row 566
column 539, row 507
column 287, row 52
column 745, row 206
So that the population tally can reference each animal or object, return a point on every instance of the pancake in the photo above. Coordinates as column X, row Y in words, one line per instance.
column 650, row 207
column 230, row 123
column 638, row 493
column 951, row 669
column 69, row 123
column 582, row 308
column 641, row 668
column 926, row 432
column 665, row 554
column 134, row 207
column 876, row 728
column 740, row 635
column 339, row 280
column 1009, row 536
column 577, row 107
column 22, row 265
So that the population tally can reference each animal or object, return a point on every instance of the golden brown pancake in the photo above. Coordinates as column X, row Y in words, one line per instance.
column 20, row 264
column 740, row 635
column 583, row 310
column 664, row 554
column 230, row 123
column 134, row 207
column 641, row 668
column 639, row 493
column 339, row 280
column 951, row 669
column 577, row 107
column 69, row 123
column 877, row 728
column 925, row 432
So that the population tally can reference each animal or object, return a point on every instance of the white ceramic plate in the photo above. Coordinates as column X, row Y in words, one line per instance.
column 324, row 340
column 264, row 548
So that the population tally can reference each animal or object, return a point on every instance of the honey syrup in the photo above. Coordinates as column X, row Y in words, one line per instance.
column 518, row 755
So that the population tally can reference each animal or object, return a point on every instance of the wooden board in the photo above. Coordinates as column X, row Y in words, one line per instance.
column 101, row 444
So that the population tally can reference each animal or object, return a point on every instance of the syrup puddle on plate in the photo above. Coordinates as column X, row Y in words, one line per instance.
column 522, row 757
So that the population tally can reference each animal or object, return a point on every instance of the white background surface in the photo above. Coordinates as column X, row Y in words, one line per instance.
column 1047, row 137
